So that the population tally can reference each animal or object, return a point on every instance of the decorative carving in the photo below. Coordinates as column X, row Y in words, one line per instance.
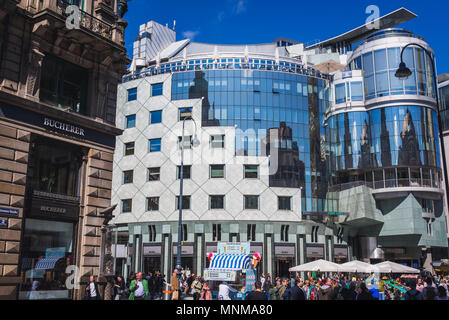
column 123, row 8
column 34, row 71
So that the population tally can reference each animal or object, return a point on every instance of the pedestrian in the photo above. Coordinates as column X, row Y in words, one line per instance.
column 91, row 292
column 224, row 290
column 349, row 291
column 119, row 288
column 420, row 285
column 381, row 290
column 364, row 294
column 189, row 281
column 283, row 288
column 206, row 293
column 257, row 294
column 175, row 285
column 196, row 287
column 273, row 292
column 297, row 293
column 312, row 293
column 325, row 292
column 139, row 288
column 413, row 293
column 442, row 293
column 267, row 284
column 429, row 292
column 158, row 284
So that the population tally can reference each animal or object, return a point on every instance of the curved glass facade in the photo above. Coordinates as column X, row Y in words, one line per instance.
column 390, row 137
column 263, row 104
column 380, row 66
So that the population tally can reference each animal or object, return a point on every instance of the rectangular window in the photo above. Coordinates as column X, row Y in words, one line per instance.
column 251, row 232
column 127, row 205
column 251, row 171
column 185, row 202
column 154, row 174
column 284, row 232
column 284, row 203
column 130, row 121
column 340, row 96
column 156, row 89
column 216, row 232
column 187, row 142
column 64, row 85
column 251, row 202
column 128, row 176
column 152, row 233
column 184, row 113
column 153, row 204
column 217, row 141
column 155, row 145
column 356, row 91
column 185, row 235
column 129, row 148
column 186, row 172
column 155, row 117
column 216, row 202
column 132, row 94
column 217, row 171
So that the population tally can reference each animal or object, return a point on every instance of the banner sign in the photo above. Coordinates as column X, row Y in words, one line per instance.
column 250, row 279
column 233, row 247
column 9, row 211
column 219, row 275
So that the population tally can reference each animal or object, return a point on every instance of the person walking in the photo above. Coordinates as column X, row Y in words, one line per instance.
column 223, row 291
column 91, row 292
column 282, row 289
column 267, row 284
column 364, row 293
column 175, row 285
column 196, row 287
column 325, row 292
column 206, row 292
column 139, row 288
column 413, row 293
column 442, row 293
column 297, row 293
column 381, row 290
column 312, row 293
column 429, row 292
column 257, row 294
column 119, row 288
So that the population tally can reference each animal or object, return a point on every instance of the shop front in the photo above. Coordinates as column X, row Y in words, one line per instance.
column 186, row 257
column 284, row 257
column 340, row 254
column 151, row 257
column 314, row 252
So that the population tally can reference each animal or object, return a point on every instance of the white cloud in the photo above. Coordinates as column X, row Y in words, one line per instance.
column 240, row 7
column 190, row 34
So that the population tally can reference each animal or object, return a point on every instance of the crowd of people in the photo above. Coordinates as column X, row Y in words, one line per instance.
column 312, row 287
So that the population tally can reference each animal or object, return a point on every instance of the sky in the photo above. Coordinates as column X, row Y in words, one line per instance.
column 262, row 21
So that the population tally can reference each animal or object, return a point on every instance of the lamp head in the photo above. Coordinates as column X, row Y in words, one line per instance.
column 403, row 72
column 195, row 141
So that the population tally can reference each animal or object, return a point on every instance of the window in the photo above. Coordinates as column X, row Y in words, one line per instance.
column 64, row 84
column 152, row 233
column 356, row 91
column 129, row 148
column 153, row 204
column 185, row 202
column 314, row 234
column 187, row 142
column 184, row 233
column 127, row 205
column 284, row 232
column 130, row 121
column 217, row 141
column 251, row 232
column 128, row 176
column 132, row 94
column 184, row 113
column 216, row 232
column 155, row 116
column 154, row 174
column 155, row 145
column 156, row 89
column 216, row 202
column 251, row 202
column 340, row 95
column 186, row 172
column 284, row 203
column 251, row 171
column 217, row 171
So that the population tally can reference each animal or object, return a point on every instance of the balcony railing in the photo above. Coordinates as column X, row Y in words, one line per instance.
column 87, row 20
column 388, row 184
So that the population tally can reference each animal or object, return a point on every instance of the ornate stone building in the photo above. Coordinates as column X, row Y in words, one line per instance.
column 58, row 88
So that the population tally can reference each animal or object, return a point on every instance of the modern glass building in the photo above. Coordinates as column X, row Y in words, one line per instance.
column 314, row 152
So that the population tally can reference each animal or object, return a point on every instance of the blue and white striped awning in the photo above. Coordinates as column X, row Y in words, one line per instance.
column 47, row 263
column 230, row 261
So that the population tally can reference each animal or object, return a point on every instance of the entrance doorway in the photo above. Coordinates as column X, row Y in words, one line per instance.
column 186, row 263
column 282, row 266
column 151, row 264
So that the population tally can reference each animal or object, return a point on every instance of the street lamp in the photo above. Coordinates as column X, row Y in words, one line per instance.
column 195, row 143
column 403, row 73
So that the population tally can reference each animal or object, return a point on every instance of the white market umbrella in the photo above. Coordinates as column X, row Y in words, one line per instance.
column 317, row 265
column 392, row 267
column 358, row 267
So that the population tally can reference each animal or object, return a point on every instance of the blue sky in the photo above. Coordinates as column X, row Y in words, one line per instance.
column 262, row 21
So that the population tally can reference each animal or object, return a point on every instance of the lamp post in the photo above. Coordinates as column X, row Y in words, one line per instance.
column 195, row 142
column 403, row 73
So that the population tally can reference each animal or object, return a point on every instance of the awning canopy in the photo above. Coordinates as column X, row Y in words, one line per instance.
column 47, row 263
column 317, row 265
column 230, row 261
column 393, row 267
column 358, row 266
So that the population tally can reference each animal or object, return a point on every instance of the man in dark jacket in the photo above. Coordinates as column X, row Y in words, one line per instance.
column 297, row 293
column 92, row 292
column 258, row 294
column 413, row 294
column 364, row 293
column 325, row 291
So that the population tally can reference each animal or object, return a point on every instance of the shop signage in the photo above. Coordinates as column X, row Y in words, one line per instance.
column 233, row 247
column 250, row 279
column 315, row 252
column 3, row 223
column 50, row 208
column 55, row 252
column 152, row 250
column 341, row 252
column 70, row 128
column 9, row 211
column 185, row 249
column 219, row 275
column 285, row 251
